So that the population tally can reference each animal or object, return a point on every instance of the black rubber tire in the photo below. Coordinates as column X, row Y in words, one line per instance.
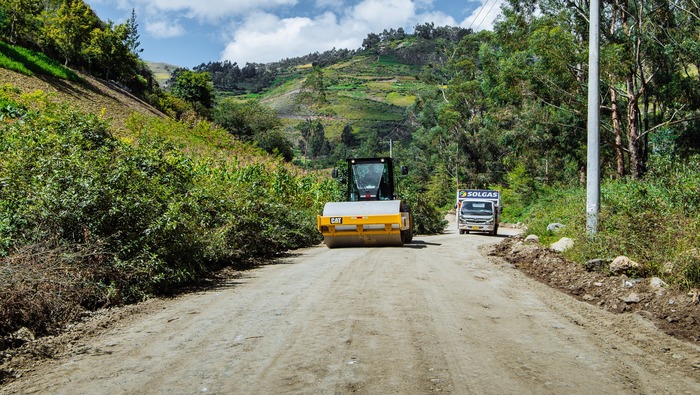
column 409, row 231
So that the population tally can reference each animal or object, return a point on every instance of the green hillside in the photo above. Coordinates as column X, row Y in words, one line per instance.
column 161, row 71
column 370, row 93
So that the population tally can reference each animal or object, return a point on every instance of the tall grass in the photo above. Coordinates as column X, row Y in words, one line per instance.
column 655, row 221
column 28, row 62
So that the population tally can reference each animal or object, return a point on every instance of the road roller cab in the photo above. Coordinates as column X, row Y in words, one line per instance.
column 372, row 214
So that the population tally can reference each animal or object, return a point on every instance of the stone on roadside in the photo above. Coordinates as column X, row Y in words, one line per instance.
column 595, row 265
column 554, row 228
column 24, row 335
column 657, row 283
column 631, row 298
column 624, row 265
column 533, row 239
column 562, row 245
column 523, row 251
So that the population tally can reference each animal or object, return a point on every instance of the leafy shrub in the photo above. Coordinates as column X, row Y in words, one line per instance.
column 155, row 216
column 653, row 221
column 274, row 142
column 427, row 217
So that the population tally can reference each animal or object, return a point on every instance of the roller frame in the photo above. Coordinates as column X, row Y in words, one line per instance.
column 362, row 225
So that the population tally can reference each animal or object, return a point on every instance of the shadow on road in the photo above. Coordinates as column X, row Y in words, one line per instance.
column 420, row 244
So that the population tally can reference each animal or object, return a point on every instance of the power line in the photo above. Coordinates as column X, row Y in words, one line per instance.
column 489, row 12
column 479, row 13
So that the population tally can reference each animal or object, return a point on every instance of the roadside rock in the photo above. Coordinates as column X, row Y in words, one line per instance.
column 596, row 265
column 24, row 335
column 657, row 283
column 555, row 227
column 533, row 239
column 525, row 251
column 562, row 245
column 631, row 298
column 624, row 265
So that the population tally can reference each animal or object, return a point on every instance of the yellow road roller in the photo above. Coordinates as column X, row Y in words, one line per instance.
column 372, row 215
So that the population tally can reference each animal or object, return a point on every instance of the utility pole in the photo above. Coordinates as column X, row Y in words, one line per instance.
column 456, row 133
column 593, row 164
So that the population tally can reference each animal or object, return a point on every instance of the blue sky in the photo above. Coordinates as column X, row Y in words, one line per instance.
column 187, row 33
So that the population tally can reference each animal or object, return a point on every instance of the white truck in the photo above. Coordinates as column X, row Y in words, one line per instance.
column 478, row 210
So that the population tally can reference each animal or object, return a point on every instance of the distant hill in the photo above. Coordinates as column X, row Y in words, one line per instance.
column 369, row 89
column 161, row 71
column 368, row 92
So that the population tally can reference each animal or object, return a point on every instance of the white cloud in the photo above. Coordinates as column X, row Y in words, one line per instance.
column 439, row 18
column 482, row 17
column 266, row 38
column 205, row 10
column 262, row 31
column 164, row 29
column 381, row 14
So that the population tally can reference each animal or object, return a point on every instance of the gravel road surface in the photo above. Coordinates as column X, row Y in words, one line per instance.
column 433, row 316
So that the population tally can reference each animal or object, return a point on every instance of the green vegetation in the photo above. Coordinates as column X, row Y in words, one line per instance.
column 655, row 221
column 161, row 71
column 30, row 62
column 69, row 33
column 127, row 220
column 195, row 88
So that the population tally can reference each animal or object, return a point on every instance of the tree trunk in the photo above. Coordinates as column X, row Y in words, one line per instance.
column 617, row 130
column 636, row 164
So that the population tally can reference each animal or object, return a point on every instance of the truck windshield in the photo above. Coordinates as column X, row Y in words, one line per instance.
column 477, row 208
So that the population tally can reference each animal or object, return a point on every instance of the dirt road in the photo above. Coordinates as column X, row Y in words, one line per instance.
column 435, row 316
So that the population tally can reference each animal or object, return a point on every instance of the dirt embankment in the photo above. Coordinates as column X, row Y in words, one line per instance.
column 92, row 95
column 674, row 311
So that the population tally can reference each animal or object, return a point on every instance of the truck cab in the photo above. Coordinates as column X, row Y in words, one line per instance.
column 478, row 210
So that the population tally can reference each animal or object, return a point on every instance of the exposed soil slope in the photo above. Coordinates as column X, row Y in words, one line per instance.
column 92, row 96
column 674, row 311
